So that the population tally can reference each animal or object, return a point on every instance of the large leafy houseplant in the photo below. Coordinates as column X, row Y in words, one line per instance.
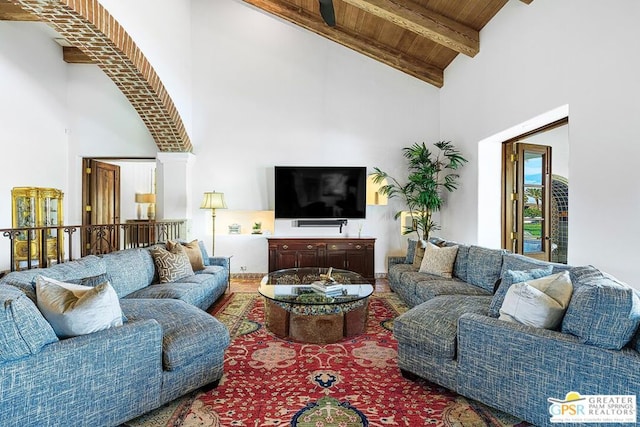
column 429, row 173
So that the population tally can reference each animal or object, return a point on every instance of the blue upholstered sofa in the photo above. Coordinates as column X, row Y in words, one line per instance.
column 166, row 347
column 452, row 336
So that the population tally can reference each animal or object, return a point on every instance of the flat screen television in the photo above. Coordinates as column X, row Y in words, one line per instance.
column 320, row 192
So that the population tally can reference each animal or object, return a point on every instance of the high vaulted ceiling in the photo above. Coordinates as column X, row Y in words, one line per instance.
column 417, row 37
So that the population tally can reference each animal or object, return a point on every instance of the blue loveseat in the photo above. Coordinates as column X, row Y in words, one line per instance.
column 453, row 337
column 166, row 347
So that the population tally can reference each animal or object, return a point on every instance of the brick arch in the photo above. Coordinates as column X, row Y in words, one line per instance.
column 88, row 26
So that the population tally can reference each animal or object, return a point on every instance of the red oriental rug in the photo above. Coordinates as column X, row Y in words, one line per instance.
column 355, row 382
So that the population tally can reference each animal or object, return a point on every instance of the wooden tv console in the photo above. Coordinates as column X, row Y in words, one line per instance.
column 347, row 253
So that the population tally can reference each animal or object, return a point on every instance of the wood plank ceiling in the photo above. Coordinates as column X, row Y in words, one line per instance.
column 417, row 37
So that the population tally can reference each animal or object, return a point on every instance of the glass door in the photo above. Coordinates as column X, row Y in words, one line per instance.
column 528, row 191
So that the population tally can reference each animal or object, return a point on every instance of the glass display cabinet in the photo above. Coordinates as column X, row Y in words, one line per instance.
column 34, row 207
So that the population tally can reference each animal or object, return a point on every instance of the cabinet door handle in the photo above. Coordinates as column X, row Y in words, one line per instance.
column 285, row 246
column 358, row 247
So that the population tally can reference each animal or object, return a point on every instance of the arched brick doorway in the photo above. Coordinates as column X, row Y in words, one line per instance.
column 88, row 26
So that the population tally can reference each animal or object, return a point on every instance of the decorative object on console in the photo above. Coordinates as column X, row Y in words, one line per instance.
column 428, row 174
column 150, row 199
column 257, row 228
column 374, row 196
column 234, row 229
column 213, row 201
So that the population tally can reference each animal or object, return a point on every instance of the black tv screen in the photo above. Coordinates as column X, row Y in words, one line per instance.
column 320, row 192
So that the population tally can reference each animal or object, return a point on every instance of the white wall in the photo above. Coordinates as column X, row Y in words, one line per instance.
column 33, row 116
column 280, row 95
column 161, row 29
column 275, row 95
column 102, row 123
column 533, row 59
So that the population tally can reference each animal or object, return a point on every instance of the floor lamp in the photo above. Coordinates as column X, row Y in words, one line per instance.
column 213, row 201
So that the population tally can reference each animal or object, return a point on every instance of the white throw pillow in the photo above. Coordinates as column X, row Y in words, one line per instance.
column 438, row 260
column 540, row 303
column 75, row 309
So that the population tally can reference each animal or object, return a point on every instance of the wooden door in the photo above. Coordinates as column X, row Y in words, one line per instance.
column 101, row 202
column 527, row 199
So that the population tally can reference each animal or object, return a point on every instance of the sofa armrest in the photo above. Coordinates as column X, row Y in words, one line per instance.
column 221, row 261
column 72, row 381
column 393, row 260
column 515, row 367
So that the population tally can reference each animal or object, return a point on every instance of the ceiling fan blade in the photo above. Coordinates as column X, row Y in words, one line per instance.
column 327, row 12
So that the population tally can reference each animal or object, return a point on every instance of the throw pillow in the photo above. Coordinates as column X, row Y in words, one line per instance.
column 411, row 251
column 23, row 329
column 508, row 279
column 439, row 260
column 73, row 310
column 417, row 258
column 603, row 312
column 205, row 255
column 193, row 251
column 540, row 303
column 171, row 265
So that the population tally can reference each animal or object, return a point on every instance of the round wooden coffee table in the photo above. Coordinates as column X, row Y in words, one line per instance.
column 294, row 310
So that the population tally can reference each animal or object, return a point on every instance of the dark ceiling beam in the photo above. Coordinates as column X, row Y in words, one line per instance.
column 424, row 22
column 372, row 48
column 73, row 55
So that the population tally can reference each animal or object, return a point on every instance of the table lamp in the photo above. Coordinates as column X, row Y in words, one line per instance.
column 149, row 198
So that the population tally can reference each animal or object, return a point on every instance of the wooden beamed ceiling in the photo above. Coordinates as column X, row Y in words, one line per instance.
column 417, row 37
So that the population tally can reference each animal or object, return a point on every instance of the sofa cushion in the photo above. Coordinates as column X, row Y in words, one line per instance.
column 75, row 309
column 23, row 329
column 172, row 265
column 509, row 278
column 417, row 257
column 603, row 312
column 411, row 250
column 72, row 271
column 438, row 260
column 461, row 264
column 396, row 270
column 484, row 266
column 193, row 290
column 432, row 326
column 205, row 255
column 129, row 270
column 540, row 303
column 188, row 333
column 436, row 286
column 520, row 262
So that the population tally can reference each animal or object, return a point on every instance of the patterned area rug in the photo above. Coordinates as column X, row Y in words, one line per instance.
column 355, row 382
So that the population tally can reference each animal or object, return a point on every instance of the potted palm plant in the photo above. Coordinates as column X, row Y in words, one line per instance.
column 429, row 173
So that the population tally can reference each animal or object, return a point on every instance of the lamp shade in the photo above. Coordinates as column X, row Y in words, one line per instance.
column 213, row 200
column 145, row 198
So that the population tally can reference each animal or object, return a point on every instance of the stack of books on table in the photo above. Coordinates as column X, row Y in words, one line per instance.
column 330, row 289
